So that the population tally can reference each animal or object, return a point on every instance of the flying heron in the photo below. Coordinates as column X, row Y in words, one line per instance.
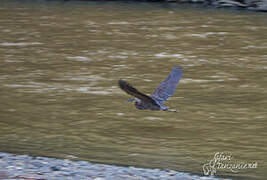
column 159, row 96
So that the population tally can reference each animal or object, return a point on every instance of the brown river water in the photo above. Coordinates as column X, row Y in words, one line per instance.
column 59, row 66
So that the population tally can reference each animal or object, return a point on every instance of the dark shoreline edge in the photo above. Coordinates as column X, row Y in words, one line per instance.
column 42, row 168
column 251, row 5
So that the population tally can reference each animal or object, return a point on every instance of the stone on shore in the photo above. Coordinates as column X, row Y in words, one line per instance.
column 42, row 168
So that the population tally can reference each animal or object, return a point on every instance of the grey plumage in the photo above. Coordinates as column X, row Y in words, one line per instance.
column 159, row 96
column 167, row 87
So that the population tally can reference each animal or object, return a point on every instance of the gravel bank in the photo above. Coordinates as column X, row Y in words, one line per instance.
column 17, row 167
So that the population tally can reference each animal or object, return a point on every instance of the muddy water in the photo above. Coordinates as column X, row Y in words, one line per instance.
column 60, row 63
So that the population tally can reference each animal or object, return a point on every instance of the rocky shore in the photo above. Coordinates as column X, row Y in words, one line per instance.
column 253, row 5
column 24, row 167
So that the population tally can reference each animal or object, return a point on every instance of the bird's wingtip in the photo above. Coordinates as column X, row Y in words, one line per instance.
column 177, row 67
column 121, row 83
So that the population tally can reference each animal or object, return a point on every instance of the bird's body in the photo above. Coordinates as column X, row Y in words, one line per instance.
column 141, row 105
column 159, row 96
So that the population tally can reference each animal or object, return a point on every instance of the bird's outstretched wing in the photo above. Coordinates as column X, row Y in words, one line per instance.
column 134, row 92
column 167, row 87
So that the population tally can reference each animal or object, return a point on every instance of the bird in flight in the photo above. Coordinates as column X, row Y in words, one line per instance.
column 159, row 96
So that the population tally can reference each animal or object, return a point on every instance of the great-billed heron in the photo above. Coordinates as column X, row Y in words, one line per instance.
column 159, row 96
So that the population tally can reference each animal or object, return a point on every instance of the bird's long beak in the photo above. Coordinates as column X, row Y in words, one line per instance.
column 131, row 100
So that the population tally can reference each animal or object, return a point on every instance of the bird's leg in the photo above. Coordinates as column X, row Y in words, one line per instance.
column 166, row 108
column 173, row 110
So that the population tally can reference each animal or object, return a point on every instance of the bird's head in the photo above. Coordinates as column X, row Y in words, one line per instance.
column 137, row 102
column 133, row 100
